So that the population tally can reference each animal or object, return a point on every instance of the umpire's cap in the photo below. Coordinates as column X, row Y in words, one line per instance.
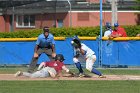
column 46, row 29
column 59, row 57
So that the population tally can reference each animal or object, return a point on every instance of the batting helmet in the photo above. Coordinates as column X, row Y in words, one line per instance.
column 108, row 25
column 76, row 42
column 116, row 24
column 59, row 57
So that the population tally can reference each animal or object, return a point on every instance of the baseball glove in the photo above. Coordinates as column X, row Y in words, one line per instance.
column 77, row 75
column 69, row 74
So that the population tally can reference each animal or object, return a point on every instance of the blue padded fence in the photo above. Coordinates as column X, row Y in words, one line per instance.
column 114, row 52
column 121, row 53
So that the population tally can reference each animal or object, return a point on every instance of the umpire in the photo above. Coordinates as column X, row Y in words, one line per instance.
column 45, row 44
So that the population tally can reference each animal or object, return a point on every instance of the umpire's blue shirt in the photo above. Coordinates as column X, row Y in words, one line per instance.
column 44, row 42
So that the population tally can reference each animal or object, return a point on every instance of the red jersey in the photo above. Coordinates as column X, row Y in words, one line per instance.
column 119, row 31
column 55, row 64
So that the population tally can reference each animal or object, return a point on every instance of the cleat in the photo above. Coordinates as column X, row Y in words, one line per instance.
column 81, row 75
column 102, row 76
column 19, row 73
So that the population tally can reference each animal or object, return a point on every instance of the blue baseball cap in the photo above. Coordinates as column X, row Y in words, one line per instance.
column 116, row 24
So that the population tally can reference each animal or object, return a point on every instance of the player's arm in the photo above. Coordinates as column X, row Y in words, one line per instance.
column 35, row 51
column 53, row 47
column 59, row 73
column 53, row 51
column 66, row 69
column 36, row 47
column 76, row 52
column 120, row 35
column 83, row 52
column 113, row 36
column 41, row 66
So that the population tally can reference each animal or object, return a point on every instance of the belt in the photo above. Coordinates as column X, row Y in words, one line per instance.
column 45, row 47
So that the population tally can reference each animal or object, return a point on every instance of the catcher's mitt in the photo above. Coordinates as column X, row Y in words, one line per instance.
column 68, row 75
column 83, row 75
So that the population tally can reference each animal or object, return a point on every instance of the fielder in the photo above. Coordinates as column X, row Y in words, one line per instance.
column 89, row 56
column 47, row 69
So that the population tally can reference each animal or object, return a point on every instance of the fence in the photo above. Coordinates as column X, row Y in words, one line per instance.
column 114, row 53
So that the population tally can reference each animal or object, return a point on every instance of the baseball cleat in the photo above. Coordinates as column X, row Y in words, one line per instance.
column 102, row 76
column 18, row 74
column 81, row 75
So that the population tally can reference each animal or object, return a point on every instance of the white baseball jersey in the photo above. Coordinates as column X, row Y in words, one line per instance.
column 89, row 55
column 88, row 51
column 107, row 33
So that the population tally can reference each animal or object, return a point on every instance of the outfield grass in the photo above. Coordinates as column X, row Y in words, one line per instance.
column 60, row 86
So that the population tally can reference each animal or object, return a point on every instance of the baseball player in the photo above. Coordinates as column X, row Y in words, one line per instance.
column 89, row 55
column 48, row 69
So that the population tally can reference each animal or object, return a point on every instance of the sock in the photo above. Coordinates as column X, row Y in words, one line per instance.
column 95, row 71
column 78, row 65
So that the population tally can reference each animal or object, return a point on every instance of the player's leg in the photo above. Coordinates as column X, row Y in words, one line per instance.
column 52, row 72
column 34, row 60
column 40, row 74
column 27, row 74
column 89, row 65
column 37, row 74
column 20, row 73
column 78, row 64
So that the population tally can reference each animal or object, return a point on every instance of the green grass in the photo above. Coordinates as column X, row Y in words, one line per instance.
column 72, row 86
column 11, row 70
column 59, row 86
column 107, row 71
column 116, row 71
column 120, row 71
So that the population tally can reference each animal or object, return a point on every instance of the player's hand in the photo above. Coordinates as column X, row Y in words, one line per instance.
column 53, row 55
column 35, row 54
column 110, row 37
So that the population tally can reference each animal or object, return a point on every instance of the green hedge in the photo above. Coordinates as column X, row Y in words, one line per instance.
column 67, row 32
column 132, row 30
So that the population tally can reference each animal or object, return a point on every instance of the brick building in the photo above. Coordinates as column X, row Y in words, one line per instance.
column 30, row 14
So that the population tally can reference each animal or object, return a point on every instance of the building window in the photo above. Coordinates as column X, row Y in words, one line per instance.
column 25, row 21
column 83, row 16
column 60, row 22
